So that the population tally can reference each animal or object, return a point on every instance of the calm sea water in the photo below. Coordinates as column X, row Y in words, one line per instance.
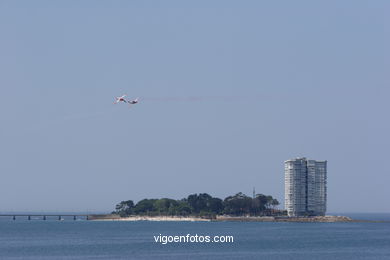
column 68, row 239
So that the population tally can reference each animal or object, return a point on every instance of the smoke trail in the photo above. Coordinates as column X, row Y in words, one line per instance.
column 192, row 98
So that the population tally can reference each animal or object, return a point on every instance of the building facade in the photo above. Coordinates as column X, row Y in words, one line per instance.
column 305, row 187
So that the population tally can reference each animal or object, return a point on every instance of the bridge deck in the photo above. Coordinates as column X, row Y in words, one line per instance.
column 47, row 215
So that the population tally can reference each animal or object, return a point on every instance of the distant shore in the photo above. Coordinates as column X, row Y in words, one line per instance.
column 321, row 219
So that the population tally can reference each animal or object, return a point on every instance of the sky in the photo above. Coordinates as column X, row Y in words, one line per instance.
column 228, row 91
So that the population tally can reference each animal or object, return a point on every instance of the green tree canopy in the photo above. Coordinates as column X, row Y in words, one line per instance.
column 201, row 204
column 124, row 208
column 145, row 206
column 238, row 204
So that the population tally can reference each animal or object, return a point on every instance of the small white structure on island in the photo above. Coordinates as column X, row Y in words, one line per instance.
column 305, row 187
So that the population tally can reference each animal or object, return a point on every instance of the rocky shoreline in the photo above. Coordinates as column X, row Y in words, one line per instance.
column 327, row 219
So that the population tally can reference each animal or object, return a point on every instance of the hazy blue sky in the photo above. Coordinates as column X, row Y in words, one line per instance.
column 229, row 90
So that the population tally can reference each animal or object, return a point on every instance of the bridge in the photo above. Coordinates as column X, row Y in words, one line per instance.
column 45, row 216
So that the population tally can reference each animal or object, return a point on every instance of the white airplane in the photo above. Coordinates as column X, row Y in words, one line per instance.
column 120, row 99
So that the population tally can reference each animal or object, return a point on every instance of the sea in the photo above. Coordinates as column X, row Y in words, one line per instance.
column 82, row 239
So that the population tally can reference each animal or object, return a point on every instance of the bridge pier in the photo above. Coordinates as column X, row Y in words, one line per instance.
column 46, row 216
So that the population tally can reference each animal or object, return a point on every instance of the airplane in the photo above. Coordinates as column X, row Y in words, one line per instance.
column 120, row 99
column 133, row 102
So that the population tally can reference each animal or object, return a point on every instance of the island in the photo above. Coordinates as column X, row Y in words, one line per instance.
column 204, row 207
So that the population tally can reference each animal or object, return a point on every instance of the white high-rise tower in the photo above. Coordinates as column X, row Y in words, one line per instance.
column 305, row 187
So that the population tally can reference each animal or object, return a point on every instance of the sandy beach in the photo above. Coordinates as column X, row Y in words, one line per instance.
column 145, row 218
column 112, row 217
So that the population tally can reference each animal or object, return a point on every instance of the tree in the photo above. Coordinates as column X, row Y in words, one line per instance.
column 238, row 204
column 275, row 203
column 205, row 204
column 199, row 202
column 183, row 209
column 145, row 206
column 165, row 206
column 216, row 206
column 124, row 208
